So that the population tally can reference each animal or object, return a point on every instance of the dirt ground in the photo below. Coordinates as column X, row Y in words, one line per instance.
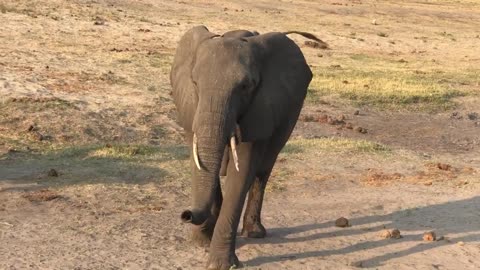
column 93, row 167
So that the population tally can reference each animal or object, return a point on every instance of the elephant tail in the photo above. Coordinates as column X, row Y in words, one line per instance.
column 309, row 36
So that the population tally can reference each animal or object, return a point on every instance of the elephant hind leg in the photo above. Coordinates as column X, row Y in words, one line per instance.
column 252, row 224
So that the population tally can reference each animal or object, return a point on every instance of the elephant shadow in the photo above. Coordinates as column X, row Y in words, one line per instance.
column 450, row 218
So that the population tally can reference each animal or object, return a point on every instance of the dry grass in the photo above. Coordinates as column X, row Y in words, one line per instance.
column 340, row 145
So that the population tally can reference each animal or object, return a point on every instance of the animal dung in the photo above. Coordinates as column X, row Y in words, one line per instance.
column 391, row 234
column 429, row 236
column 316, row 45
column 342, row 222
column 53, row 173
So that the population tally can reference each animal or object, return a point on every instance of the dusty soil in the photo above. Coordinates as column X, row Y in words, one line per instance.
column 77, row 77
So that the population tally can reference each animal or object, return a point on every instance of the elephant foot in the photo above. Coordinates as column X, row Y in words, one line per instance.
column 202, row 234
column 201, row 238
column 223, row 263
column 254, row 230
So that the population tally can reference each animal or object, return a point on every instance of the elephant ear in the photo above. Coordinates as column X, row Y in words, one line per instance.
column 284, row 79
column 184, row 90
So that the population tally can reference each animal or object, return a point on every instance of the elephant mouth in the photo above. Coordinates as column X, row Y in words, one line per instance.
column 235, row 138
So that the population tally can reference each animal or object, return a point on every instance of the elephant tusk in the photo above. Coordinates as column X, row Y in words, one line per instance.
column 195, row 152
column 233, row 145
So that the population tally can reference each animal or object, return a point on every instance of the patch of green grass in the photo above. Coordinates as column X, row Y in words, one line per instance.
column 122, row 151
column 390, row 84
column 34, row 104
column 161, row 61
column 301, row 146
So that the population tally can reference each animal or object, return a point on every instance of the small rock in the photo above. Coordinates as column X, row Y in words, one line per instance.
column 316, row 45
column 39, row 136
column 30, row 128
column 440, row 238
column 391, row 234
column 444, row 167
column 99, row 21
column 456, row 115
column 358, row 264
column 349, row 125
column 472, row 116
column 374, row 22
column 342, row 222
column 357, row 112
column 307, row 118
column 429, row 236
column 323, row 118
column 361, row 130
column 52, row 173
column 461, row 243
column 345, row 82
column 332, row 121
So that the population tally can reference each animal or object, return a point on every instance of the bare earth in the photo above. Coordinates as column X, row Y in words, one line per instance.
column 84, row 90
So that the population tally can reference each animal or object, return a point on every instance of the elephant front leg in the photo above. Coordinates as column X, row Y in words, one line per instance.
column 202, row 234
column 222, row 247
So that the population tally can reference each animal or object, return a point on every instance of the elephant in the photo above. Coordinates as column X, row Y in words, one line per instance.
column 238, row 97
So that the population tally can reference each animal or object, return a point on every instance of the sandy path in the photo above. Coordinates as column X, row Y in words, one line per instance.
column 101, row 231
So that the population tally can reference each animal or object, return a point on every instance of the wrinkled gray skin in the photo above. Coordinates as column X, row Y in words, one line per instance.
column 256, row 81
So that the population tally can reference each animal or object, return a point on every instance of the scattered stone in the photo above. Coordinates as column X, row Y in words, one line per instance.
column 99, row 21
column 391, row 234
column 440, row 238
column 374, row 22
column 41, row 195
column 316, row 45
column 320, row 55
column 456, row 115
column 358, row 264
column 336, row 66
column 444, row 167
column 31, row 128
column 39, row 136
column 461, row 243
column 361, row 130
column 345, row 82
column 429, row 236
column 357, row 112
column 323, row 118
column 307, row 118
column 342, row 222
column 53, row 173
column 349, row 125
column 332, row 121
column 472, row 116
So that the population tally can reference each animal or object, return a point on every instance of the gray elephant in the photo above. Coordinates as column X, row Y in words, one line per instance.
column 238, row 97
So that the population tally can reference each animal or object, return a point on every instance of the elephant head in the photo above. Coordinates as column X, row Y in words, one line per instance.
column 223, row 86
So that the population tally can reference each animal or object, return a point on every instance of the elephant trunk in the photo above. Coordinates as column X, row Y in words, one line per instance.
column 212, row 130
